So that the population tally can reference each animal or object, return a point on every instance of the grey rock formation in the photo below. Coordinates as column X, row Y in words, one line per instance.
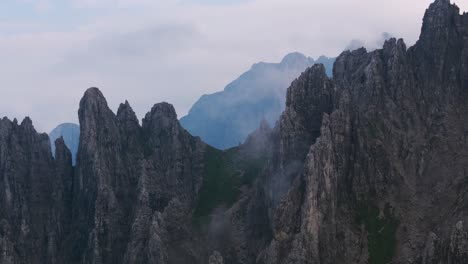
column 129, row 199
column 216, row 258
column 226, row 118
column 135, row 185
column 71, row 135
column 385, row 180
column 366, row 167
column 33, row 189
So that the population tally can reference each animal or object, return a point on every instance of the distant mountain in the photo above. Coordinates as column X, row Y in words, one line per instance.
column 369, row 166
column 225, row 119
column 71, row 135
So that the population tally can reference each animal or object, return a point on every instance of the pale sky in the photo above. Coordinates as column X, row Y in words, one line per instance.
column 148, row 51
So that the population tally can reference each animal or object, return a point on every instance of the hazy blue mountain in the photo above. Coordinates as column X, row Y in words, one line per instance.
column 71, row 135
column 225, row 119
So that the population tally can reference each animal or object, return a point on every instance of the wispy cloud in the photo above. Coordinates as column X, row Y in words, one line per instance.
column 153, row 50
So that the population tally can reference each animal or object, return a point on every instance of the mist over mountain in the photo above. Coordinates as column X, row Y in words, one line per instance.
column 225, row 119
column 378, row 43
column 71, row 136
column 368, row 166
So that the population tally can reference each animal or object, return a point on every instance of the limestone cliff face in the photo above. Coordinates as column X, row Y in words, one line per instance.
column 135, row 185
column 385, row 181
column 33, row 188
column 128, row 200
column 369, row 166
column 310, row 97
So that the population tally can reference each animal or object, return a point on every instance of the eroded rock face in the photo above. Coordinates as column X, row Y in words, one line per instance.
column 136, row 185
column 385, row 181
column 366, row 167
column 128, row 200
column 310, row 97
column 33, row 191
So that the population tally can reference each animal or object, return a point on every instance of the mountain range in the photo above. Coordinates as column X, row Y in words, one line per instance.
column 366, row 166
column 225, row 119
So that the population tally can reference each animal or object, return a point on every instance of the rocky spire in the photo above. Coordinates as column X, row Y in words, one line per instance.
column 28, row 230
column 160, row 125
column 94, row 114
column 62, row 194
column 126, row 114
column 27, row 123
column 383, row 146
column 130, row 128
column 442, row 40
column 440, row 23
column 162, row 115
column 308, row 98
column 367, row 167
column 126, row 177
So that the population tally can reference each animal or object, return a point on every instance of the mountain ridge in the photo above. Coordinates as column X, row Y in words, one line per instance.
column 224, row 119
column 368, row 166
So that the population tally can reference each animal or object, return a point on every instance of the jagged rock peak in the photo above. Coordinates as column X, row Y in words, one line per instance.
column 93, row 94
column 439, row 11
column 6, row 125
column 162, row 110
column 124, row 106
column 126, row 113
column 441, row 2
column 297, row 91
column 98, row 123
column 27, row 123
column 93, row 103
column 318, row 69
column 440, row 17
column 293, row 58
column 162, row 117
column 6, row 120
column 59, row 141
column 391, row 42
column 61, row 150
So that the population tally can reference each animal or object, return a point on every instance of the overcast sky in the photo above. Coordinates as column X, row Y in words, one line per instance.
column 148, row 51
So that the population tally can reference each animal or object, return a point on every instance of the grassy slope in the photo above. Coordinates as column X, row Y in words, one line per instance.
column 225, row 173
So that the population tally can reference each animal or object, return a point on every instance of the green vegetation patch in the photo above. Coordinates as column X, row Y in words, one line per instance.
column 381, row 232
column 225, row 173
column 220, row 186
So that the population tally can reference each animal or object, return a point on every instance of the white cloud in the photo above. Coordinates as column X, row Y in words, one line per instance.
column 148, row 51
